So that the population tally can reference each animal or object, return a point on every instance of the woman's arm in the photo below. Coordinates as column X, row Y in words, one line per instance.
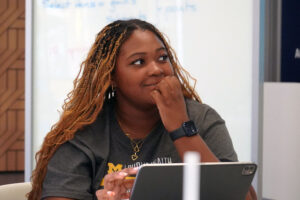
column 68, row 179
column 251, row 195
column 172, row 108
column 195, row 143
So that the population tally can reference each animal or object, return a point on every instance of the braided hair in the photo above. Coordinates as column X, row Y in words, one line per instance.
column 92, row 87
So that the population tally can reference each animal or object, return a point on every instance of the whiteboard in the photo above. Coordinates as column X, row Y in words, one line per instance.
column 213, row 40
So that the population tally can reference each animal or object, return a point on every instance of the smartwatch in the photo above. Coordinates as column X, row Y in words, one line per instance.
column 187, row 129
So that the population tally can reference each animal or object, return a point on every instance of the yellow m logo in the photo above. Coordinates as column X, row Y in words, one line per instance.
column 112, row 168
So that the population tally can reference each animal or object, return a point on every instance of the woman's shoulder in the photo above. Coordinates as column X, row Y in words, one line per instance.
column 196, row 108
column 95, row 136
column 191, row 103
column 202, row 114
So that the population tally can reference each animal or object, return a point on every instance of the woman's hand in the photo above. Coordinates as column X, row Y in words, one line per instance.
column 116, row 185
column 170, row 102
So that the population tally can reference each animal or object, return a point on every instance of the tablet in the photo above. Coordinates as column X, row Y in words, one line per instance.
column 227, row 180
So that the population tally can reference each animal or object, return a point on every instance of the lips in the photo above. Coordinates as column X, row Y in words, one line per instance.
column 150, row 84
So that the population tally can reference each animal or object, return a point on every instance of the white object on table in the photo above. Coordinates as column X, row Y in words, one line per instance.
column 191, row 174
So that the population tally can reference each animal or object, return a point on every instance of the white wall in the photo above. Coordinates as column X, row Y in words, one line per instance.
column 281, row 141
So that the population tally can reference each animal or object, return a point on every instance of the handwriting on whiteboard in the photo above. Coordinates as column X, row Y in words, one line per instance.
column 166, row 6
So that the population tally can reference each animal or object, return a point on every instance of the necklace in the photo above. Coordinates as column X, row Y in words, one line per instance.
column 135, row 144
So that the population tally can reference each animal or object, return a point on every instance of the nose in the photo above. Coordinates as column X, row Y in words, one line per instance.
column 155, row 69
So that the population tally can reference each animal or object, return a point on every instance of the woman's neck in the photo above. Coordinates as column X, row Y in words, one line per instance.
column 136, row 122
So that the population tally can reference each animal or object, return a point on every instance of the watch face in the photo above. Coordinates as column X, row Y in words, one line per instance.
column 189, row 128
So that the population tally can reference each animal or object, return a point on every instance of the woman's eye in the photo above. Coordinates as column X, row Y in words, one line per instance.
column 163, row 58
column 138, row 62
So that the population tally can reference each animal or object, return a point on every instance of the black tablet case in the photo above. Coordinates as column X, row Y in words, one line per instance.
column 218, row 181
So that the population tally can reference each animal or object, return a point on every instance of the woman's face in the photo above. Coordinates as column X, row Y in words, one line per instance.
column 142, row 63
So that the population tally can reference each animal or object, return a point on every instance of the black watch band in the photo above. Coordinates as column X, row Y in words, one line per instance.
column 187, row 129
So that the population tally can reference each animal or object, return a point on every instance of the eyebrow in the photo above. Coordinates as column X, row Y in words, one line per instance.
column 143, row 53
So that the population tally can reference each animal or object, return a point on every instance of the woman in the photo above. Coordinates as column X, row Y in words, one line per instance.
column 131, row 104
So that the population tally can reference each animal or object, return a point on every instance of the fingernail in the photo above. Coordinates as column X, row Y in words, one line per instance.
column 110, row 193
column 123, row 174
column 136, row 168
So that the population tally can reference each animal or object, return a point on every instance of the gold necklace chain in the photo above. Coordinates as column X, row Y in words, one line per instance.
column 135, row 144
column 136, row 147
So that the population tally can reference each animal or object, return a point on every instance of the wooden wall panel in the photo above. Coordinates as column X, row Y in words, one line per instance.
column 12, row 81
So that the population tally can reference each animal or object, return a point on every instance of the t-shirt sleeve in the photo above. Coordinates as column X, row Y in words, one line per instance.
column 68, row 174
column 214, row 132
column 212, row 129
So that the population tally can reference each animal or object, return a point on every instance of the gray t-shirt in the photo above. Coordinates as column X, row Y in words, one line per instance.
column 77, row 168
column 156, row 148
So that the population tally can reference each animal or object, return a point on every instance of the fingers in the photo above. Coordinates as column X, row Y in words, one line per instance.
column 161, row 92
column 111, row 180
column 123, row 193
column 168, row 93
column 126, row 195
column 118, row 177
column 169, row 89
column 169, row 100
column 131, row 171
column 117, row 185
column 165, row 86
column 157, row 97
column 105, row 195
